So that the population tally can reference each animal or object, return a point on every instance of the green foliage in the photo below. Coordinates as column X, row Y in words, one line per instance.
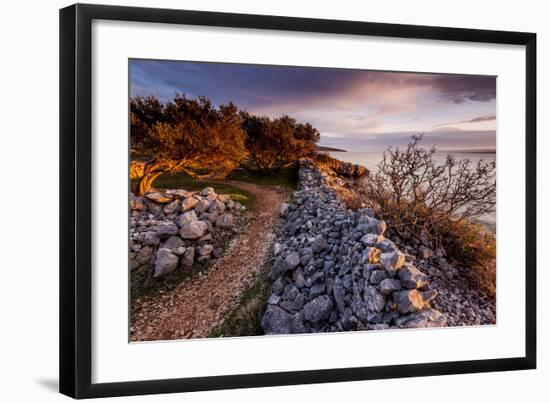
column 144, row 113
column 273, row 143
column 286, row 177
column 188, row 135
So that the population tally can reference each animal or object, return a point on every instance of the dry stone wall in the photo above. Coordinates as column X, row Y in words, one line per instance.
column 334, row 270
column 174, row 229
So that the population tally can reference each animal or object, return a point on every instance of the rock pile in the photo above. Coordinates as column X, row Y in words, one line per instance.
column 334, row 270
column 176, row 228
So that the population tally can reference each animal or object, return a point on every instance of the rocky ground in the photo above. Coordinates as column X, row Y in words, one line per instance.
column 198, row 304
column 334, row 270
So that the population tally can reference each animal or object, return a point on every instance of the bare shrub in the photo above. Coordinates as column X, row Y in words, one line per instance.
column 414, row 194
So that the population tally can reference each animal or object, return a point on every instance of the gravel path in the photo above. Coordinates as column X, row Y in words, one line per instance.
column 198, row 305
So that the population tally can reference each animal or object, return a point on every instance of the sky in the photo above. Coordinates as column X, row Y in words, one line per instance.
column 355, row 110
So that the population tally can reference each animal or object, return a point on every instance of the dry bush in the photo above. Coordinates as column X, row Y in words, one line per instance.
column 414, row 194
column 473, row 247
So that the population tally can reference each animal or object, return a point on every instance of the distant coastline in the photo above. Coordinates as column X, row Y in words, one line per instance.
column 470, row 151
column 323, row 148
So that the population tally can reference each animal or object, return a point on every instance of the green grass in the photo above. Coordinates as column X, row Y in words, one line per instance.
column 245, row 319
column 286, row 177
column 181, row 180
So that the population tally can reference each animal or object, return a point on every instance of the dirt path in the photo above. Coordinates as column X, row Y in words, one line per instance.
column 198, row 305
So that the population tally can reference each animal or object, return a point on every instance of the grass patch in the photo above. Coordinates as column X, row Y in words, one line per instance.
column 181, row 180
column 286, row 177
column 245, row 319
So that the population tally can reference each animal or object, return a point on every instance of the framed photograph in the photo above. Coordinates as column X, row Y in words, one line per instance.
column 252, row 201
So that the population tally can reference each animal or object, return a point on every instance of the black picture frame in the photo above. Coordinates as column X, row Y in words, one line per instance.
column 76, row 199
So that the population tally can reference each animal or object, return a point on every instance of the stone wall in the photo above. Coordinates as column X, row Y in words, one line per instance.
column 171, row 230
column 334, row 270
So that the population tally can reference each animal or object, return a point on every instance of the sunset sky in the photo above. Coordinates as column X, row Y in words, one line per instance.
column 356, row 110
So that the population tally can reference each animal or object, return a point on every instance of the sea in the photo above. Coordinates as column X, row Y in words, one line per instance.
column 371, row 160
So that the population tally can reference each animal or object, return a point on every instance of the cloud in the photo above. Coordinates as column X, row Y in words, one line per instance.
column 479, row 119
column 344, row 103
column 461, row 88
column 450, row 139
column 486, row 118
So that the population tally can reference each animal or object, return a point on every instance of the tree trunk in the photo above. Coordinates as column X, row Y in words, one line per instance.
column 146, row 182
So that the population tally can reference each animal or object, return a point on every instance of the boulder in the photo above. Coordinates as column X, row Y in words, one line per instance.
column 377, row 276
column 166, row 231
column 306, row 254
column 297, row 325
column 194, row 230
column 205, row 250
column 224, row 198
column 319, row 244
column 202, row 206
column 371, row 255
column 173, row 242
column 277, row 248
column 374, row 226
column 180, row 193
column 283, row 209
column 207, row 191
column 279, row 267
column 136, row 202
column 278, row 286
column 189, row 203
column 276, row 321
column 186, row 218
column 425, row 318
column 316, row 290
column 225, row 221
column 374, row 300
column 188, row 257
column 165, row 262
column 386, row 246
column 412, row 278
column 371, row 239
column 390, row 285
column 158, row 197
column 144, row 255
column 217, row 207
column 172, row 207
column 292, row 260
column 429, row 295
column 154, row 207
column 180, row 250
column 150, row 238
column 409, row 301
column 211, row 217
column 339, row 297
column 392, row 261
column 318, row 309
